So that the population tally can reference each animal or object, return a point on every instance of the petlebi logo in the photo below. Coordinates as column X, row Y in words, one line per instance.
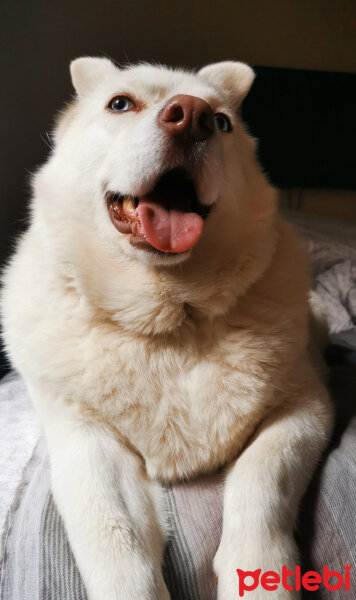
column 293, row 580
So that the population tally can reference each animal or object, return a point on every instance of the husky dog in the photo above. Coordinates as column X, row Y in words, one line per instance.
column 157, row 307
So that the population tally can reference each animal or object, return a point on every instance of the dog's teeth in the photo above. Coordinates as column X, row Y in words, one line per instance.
column 129, row 205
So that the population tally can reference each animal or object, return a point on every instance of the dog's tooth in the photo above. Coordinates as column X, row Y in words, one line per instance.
column 129, row 205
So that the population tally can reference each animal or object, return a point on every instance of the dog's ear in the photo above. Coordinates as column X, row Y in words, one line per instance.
column 87, row 71
column 233, row 78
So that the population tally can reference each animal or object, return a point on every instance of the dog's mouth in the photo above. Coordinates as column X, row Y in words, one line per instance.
column 169, row 218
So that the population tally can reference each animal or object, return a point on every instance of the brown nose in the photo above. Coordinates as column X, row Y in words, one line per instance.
column 187, row 117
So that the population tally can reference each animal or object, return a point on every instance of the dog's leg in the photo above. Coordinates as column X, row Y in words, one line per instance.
column 107, row 505
column 264, row 487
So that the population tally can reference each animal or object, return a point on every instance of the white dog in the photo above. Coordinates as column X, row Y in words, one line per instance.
column 157, row 307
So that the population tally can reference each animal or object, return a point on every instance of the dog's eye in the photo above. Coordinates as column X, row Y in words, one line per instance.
column 223, row 122
column 120, row 104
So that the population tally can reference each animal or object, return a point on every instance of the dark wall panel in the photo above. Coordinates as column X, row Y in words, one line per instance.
column 305, row 122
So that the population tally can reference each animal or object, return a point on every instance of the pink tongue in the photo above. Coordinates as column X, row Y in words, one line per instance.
column 169, row 229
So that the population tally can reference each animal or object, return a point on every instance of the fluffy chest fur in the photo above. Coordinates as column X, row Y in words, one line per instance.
column 185, row 407
column 186, row 400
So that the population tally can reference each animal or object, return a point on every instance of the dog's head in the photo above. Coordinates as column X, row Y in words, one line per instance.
column 149, row 153
column 153, row 166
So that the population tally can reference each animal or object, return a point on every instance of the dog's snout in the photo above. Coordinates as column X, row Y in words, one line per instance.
column 187, row 117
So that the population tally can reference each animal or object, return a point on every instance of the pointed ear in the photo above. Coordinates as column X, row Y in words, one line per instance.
column 87, row 71
column 233, row 78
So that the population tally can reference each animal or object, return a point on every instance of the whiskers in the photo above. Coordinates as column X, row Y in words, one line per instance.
column 47, row 140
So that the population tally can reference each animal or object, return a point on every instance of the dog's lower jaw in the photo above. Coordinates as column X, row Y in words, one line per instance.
column 152, row 257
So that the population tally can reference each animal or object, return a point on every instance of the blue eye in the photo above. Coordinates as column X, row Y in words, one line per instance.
column 223, row 122
column 120, row 104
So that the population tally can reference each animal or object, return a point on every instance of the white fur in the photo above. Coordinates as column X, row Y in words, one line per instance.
column 148, row 368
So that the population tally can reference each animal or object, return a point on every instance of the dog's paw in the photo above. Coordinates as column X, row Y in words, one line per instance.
column 144, row 583
column 239, row 570
column 128, row 594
